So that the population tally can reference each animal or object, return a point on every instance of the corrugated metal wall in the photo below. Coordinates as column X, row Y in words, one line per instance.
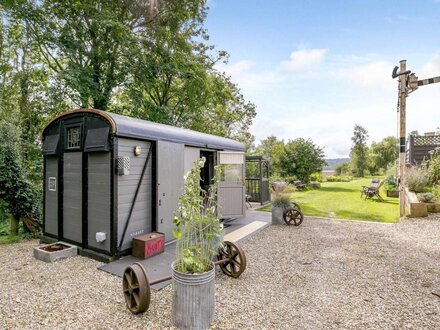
column 141, row 219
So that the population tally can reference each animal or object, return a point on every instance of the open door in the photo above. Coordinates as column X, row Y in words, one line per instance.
column 231, row 189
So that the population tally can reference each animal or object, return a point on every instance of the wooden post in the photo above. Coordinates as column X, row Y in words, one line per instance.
column 402, row 131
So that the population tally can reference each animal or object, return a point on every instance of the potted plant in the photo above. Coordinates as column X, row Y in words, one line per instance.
column 198, row 233
column 280, row 202
column 391, row 187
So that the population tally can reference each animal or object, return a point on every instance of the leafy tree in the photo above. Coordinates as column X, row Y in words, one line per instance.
column 21, row 197
column 301, row 158
column 383, row 154
column 359, row 151
column 271, row 148
column 174, row 81
column 145, row 59
column 342, row 169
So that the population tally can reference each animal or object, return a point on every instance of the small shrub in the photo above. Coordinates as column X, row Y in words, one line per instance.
column 314, row 185
column 282, row 200
column 417, row 180
column 317, row 177
column 334, row 178
column 290, row 179
column 290, row 188
column 436, row 191
column 434, row 167
column 426, row 197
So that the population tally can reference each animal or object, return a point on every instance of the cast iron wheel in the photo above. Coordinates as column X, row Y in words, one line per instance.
column 293, row 216
column 236, row 263
column 295, row 205
column 136, row 288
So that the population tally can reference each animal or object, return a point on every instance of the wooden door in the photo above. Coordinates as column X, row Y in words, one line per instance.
column 170, row 172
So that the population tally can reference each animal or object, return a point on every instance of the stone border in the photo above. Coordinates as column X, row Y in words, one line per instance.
column 416, row 209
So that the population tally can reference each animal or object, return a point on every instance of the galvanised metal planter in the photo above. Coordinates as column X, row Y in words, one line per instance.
column 193, row 299
column 277, row 215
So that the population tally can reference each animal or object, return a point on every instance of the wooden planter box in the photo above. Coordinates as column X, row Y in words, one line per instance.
column 148, row 245
column 392, row 193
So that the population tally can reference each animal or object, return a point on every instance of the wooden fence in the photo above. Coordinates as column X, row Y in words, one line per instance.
column 419, row 148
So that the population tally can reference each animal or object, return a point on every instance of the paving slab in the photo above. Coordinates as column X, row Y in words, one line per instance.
column 160, row 265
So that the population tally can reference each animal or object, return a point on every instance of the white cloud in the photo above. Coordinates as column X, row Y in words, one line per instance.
column 303, row 60
column 370, row 76
column 431, row 68
column 237, row 68
column 349, row 90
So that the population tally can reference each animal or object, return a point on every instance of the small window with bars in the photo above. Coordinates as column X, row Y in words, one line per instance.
column 74, row 138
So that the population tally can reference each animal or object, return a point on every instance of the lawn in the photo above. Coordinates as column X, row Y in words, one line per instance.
column 341, row 200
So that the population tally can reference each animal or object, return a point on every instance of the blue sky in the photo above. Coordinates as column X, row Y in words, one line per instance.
column 316, row 68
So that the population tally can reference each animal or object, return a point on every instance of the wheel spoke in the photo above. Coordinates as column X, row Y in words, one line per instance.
column 127, row 279
column 236, row 263
column 229, row 250
column 137, row 299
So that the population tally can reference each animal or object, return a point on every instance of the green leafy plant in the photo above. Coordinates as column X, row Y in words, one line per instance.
column 334, row 178
column 197, row 227
column 434, row 167
column 314, row 185
column 417, row 179
column 427, row 197
column 436, row 191
column 281, row 200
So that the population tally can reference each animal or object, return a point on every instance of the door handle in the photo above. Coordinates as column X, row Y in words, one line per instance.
column 160, row 202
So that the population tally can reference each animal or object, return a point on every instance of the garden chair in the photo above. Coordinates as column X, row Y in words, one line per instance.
column 373, row 190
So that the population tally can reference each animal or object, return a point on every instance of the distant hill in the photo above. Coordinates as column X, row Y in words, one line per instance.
column 332, row 163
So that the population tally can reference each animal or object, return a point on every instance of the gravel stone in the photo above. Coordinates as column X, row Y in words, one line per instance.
column 324, row 274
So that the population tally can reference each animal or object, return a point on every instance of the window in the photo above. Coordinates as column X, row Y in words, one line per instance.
column 74, row 137
column 232, row 173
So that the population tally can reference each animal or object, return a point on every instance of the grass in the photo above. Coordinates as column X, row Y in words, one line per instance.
column 341, row 200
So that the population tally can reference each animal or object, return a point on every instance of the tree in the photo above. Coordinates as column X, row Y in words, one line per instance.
column 146, row 59
column 342, row 169
column 301, row 158
column 174, row 81
column 359, row 151
column 383, row 154
column 271, row 148
column 89, row 44
column 19, row 194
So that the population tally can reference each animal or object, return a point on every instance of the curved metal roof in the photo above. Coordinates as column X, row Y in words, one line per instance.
column 125, row 126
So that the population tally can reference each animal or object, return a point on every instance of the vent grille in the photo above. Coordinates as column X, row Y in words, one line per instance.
column 123, row 165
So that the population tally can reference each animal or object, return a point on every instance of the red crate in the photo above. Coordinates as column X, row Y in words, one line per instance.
column 148, row 245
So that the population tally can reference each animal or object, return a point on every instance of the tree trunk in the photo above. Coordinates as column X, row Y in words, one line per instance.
column 14, row 225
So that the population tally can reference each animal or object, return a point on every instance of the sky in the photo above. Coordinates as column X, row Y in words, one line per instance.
column 314, row 68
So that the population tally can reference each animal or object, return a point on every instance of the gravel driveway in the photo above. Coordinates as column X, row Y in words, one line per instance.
column 325, row 274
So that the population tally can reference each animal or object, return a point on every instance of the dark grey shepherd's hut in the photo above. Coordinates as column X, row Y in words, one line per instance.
column 109, row 178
